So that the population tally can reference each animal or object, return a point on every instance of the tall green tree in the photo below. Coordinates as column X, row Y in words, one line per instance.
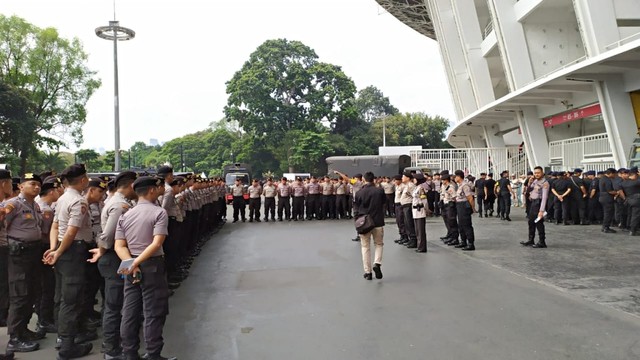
column 53, row 71
column 90, row 158
column 17, row 123
column 371, row 104
column 412, row 129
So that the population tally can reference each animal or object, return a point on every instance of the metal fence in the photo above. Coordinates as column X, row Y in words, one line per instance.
column 473, row 161
column 592, row 152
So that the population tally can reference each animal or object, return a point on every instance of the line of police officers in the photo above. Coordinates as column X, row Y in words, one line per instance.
column 62, row 243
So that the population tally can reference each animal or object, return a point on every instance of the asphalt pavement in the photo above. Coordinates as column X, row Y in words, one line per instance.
column 294, row 290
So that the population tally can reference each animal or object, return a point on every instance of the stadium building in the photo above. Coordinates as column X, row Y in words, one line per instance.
column 558, row 79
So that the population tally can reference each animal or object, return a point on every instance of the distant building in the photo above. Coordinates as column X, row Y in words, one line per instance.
column 560, row 77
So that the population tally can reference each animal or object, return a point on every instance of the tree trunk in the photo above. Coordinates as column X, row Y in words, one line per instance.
column 24, row 154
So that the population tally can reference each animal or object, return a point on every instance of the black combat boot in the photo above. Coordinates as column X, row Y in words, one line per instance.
column 470, row 247
column 530, row 242
column 461, row 245
column 70, row 350
column 16, row 344
column 540, row 245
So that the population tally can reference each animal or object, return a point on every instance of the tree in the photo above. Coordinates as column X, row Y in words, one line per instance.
column 17, row 123
column 90, row 158
column 412, row 129
column 283, row 87
column 53, row 71
column 371, row 104
column 51, row 161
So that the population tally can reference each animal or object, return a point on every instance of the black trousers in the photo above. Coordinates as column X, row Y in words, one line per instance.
column 238, row 207
column 533, row 225
column 464, row 222
column 562, row 210
column 171, row 246
column 45, row 292
column 270, row 208
column 620, row 213
column 313, row 206
column 634, row 219
column 421, row 233
column 149, row 297
column 390, row 204
column 24, row 278
column 4, row 283
column 431, row 198
column 254, row 208
column 70, row 281
column 327, row 207
column 341, row 206
column 578, row 209
column 595, row 210
column 480, row 201
column 284, row 204
column 400, row 220
column 489, row 203
column 298, row 207
column 608, row 210
column 409, row 225
column 504, row 204
column 113, row 297
column 450, row 214
column 437, row 205
column 93, row 282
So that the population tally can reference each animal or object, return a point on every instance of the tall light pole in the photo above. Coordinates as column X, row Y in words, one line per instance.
column 116, row 33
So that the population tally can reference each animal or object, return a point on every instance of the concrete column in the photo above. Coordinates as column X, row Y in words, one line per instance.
column 454, row 56
column 617, row 112
column 512, row 43
column 597, row 21
column 493, row 141
column 471, row 37
column 536, row 144
column 477, row 142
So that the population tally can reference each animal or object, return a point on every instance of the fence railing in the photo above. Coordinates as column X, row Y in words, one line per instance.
column 473, row 161
column 589, row 150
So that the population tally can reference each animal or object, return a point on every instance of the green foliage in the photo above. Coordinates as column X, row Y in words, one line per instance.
column 412, row 129
column 53, row 74
column 91, row 159
column 371, row 104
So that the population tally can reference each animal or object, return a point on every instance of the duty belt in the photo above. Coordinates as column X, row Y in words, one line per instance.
column 25, row 242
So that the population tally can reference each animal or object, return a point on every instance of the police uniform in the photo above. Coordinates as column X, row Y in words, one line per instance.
column 450, row 213
column 504, row 200
column 490, row 195
column 313, row 199
column 238, row 191
column 620, row 208
column 406, row 201
column 24, row 233
column 607, row 199
column 631, row 190
column 4, row 259
column 341, row 200
column 561, row 189
column 464, row 211
column 595, row 209
column 284, row 193
column 398, row 212
column 327, row 191
column 298, row 192
column 150, row 296
column 437, row 183
column 480, row 193
column 538, row 191
column 389, row 193
column 578, row 193
column 72, row 209
column 255, row 193
column 108, row 264
column 420, row 206
column 270, row 192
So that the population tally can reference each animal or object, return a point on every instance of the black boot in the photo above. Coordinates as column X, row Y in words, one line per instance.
column 540, row 245
column 461, row 245
column 530, row 242
column 469, row 247
column 19, row 345
column 412, row 244
column 453, row 242
column 70, row 350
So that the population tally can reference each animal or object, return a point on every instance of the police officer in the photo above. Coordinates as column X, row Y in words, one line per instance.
column 420, row 211
column 437, row 183
column 139, row 236
column 538, row 194
column 389, row 193
column 504, row 196
column 24, row 233
column 579, row 193
column 562, row 192
column 255, row 193
column 44, row 305
column 398, row 189
column 269, row 190
column 620, row 214
column 607, row 199
column 6, row 189
column 72, row 227
column 327, row 191
column 406, row 201
column 298, row 193
column 238, row 191
column 108, row 262
column 489, row 195
column 450, row 214
column 284, row 194
column 480, row 191
column 465, row 207
column 313, row 199
column 631, row 195
column 341, row 199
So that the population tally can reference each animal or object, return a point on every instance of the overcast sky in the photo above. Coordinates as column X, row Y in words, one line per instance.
column 174, row 72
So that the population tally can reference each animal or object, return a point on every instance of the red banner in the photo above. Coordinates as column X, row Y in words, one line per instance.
column 573, row 115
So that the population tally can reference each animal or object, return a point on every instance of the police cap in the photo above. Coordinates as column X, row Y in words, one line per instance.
column 600, row 173
column 30, row 177
column 5, row 174
column 45, row 174
column 577, row 171
column 633, row 170
column 408, row 174
column 623, row 171
column 483, row 174
column 419, row 176
column 460, row 173
column 51, row 182
column 446, row 176
column 124, row 176
column 590, row 172
column 165, row 170
column 146, row 181
column 178, row 181
column 73, row 171
column 611, row 171
column 98, row 183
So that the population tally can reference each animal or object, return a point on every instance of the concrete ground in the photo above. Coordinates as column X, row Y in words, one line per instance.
column 292, row 290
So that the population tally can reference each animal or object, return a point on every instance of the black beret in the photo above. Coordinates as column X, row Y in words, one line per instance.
column 73, row 171
column 30, row 177
column 446, row 176
column 5, row 174
column 459, row 173
column 600, row 173
column 623, row 171
column 45, row 174
column 483, row 174
column 179, row 180
column 124, row 176
column 358, row 176
column 529, row 173
column 444, row 172
column 98, row 183
column 633, row 170
column 15, row 181
column 590, row 172
column 577, row 171
column 164, row 170
column 490, row 174
column 611, row 171
column 408, row 174
column 51, row 182
column 397, row 177
column 418, row 176
column 146, row 181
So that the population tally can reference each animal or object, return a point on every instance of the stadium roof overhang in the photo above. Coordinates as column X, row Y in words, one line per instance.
column 413, row 13
column 551, row 90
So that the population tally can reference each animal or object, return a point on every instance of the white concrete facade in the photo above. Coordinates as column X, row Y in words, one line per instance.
column 532, row 72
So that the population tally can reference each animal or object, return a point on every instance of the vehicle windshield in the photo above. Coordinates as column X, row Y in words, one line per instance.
column 231, row 178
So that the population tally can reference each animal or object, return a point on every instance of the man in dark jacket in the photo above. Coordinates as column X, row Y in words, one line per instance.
column 370, row 201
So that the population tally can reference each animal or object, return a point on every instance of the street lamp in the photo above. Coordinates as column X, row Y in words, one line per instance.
column 116, row 33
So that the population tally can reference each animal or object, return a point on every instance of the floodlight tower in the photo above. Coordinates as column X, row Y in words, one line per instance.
column 116, row 33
